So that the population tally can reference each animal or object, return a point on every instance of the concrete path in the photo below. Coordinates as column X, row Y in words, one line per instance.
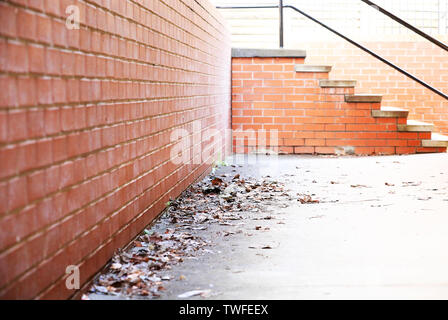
column 380, row 231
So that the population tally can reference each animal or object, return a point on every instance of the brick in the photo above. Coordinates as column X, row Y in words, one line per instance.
column 8, row 20
column 304, row 150
column 52, row 121
column 59, row 148
column 68, row 63
column 85, row 40
column 272, row 67
column 73, row 90
column 384, row 150
column 51, row 8
column 44, row 91
column 36, row 183
column 59, row 94
column 35, row 123
column 263, row 120
column 294, row 142
column 59, row 33
column 17, row 193
column 3, row 208
column 364, row 150
column 242, row 75
column 36, row 58
column 3, row 54
column 414, row 143
column 8, row 161
column 52, row 175
column 27, row 91
column 72, row 38
column 286, row 150
column 324, row 150
column 53, row 61
column 405, row 150
column 315, row 142
column 37, row 4
column 17, row 125
column 44, row 152
column 3, row 126
column 8, row 98
column 283, row 120
column 17, row 58
column 263, row 75
column 43, row 32
column 252, row 67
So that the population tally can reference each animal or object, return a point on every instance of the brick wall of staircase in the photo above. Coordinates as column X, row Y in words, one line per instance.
column 315, row 115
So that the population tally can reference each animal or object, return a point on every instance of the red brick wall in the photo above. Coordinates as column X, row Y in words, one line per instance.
column 417, row 56
column 270, row 98
column 86, row 118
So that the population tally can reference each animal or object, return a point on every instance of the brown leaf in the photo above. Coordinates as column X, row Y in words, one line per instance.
column 138, row 244
column 217, row 182
column 307, row 199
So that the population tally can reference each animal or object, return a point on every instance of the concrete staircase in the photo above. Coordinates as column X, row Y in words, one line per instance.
column 421, row 134
column 275, row 91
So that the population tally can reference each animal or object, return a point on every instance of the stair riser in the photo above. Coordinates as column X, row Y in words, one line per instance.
column 337, row 84
column 339, row 91
column 408, row 128
column 363, row 99
column 312, row 69
column 389, row 114
column 434, row 144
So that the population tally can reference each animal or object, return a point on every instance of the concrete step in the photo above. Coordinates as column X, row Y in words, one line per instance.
column 390, row 112
column 437, row 141
column 416, row 126
column 267, row 53
column 309, row 68
column 359, row 98
column 337, row 83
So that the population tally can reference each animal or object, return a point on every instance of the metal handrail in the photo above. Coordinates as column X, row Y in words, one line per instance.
column 407, row 25
column 358, row 45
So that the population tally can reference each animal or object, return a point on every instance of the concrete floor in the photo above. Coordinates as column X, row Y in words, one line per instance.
column 364, row 240
column 380, row 231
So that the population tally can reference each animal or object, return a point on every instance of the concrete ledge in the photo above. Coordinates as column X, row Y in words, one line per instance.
column 390, row 112
column 267, row 53
column 437, row 141
column 416, row 126
column 337, row 84
column 363, row 98
column 314, row 69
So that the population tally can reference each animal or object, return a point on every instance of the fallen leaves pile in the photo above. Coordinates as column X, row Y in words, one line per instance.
column 142, row 268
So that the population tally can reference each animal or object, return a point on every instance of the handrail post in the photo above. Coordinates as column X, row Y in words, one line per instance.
column 280, row 6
